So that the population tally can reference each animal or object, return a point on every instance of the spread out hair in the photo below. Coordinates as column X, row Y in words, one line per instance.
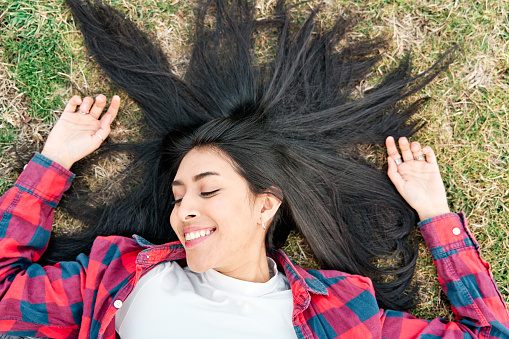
column 293, row 122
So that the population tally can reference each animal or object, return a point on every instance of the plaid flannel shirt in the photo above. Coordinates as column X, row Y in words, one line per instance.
column 80, row 298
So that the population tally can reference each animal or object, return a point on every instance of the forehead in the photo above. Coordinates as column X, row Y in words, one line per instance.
column 202, row 160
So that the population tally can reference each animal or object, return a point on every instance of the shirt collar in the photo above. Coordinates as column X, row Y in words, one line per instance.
column 301, row 281
column 155, row 254
column 298, row 275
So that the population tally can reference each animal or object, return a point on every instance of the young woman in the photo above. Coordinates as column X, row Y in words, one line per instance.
column 230, row 284
column 239, row 154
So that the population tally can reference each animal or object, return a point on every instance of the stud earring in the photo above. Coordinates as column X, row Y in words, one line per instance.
column 263, row 224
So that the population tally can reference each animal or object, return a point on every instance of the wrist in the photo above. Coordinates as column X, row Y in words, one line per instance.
column 56, row 157
column 424, row 215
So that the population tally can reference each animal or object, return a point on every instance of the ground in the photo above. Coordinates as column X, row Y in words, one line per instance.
column 43, row 63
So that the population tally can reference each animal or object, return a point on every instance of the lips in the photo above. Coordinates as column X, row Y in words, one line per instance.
column 195, row 236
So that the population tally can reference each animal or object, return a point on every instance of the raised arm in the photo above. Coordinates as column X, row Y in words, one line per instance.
column 35, row 300
column 478, row 306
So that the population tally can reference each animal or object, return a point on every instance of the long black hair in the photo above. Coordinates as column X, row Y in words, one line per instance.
column 293, row 122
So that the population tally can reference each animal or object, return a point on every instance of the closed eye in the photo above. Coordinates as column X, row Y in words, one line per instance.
column 208, row 194
column 203, row 194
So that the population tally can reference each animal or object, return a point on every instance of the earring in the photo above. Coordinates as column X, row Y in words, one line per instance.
column 263, row 224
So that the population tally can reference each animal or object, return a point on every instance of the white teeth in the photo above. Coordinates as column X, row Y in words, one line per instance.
column 195, row 235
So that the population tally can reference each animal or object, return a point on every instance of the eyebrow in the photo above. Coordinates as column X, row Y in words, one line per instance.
column 196, row 178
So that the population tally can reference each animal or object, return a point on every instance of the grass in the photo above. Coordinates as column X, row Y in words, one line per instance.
column 43, row 63
column 35, row 41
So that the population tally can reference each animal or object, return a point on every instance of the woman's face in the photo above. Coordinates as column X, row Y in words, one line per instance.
column 216, row 216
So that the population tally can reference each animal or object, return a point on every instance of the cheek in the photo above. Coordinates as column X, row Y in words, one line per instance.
column 232, row 206
column 221, row 211
column 237, row 212
column 173, row 220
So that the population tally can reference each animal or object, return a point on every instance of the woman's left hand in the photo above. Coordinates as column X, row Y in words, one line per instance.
column 417, row 178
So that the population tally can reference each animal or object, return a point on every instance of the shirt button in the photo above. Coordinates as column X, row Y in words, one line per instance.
column 117, row 303
column 456, row 231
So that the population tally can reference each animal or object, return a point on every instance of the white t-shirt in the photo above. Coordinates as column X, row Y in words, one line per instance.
column 171, row 301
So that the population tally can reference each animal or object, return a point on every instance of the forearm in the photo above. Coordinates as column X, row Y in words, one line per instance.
column 464, row 276
column 35, row 300
column 480, row 311
column 26, row 212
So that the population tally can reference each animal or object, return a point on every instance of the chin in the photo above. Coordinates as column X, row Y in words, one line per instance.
column 197, row 266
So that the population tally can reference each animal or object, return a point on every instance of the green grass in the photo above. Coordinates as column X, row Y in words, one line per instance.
column 7, row 134
column 36, row 45
column 467, row 120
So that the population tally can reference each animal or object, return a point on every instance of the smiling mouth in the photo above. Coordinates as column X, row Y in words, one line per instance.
column 195, row 238
column 198, row 234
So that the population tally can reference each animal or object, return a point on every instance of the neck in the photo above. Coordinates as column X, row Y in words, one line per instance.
column 255, row 270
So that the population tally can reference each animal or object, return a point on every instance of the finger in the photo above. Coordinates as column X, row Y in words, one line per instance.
column 86, row 105
column 113, row 109
column 415, row 147
column 394, row 175
column 72, row 104
column 404, row 146
column 430, row 155
column 97, row 108
column 392, row 150
column 104, row 131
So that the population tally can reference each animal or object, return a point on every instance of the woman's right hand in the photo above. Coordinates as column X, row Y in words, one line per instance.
column 78, row 133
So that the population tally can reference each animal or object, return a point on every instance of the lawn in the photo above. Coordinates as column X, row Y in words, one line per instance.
column 43, row 63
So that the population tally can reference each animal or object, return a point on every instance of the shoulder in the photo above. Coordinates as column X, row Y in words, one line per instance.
column 323, row 281
column 348, row 305
column 128, row 252
column 342, row 285
column 114, row 250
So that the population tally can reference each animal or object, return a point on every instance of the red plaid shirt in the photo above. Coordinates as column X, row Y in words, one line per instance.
column 80, row 298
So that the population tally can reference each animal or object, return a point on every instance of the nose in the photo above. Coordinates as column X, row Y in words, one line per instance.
column 187, row 209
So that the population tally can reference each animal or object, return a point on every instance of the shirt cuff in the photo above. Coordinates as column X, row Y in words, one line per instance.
column 447, row 233
column 45, row 178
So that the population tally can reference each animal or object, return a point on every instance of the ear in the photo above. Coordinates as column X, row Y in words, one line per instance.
column 270, row 203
